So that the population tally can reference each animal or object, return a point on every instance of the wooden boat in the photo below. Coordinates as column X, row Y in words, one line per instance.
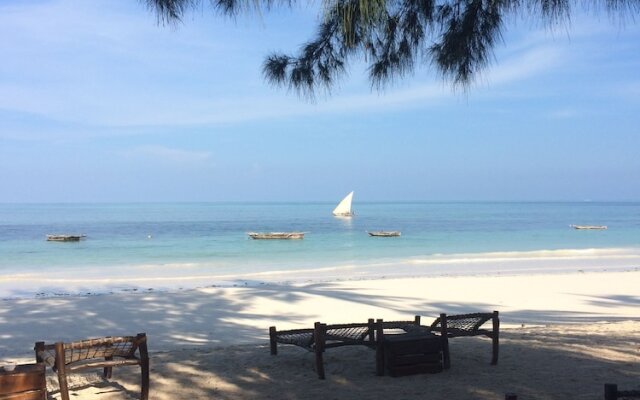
column 343, row 209
column 384, row 233
column 595, row 227
column 64, row 238
column 276, row 235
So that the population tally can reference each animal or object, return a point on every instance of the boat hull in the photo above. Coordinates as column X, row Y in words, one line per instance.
column 64, row 238
column 276, row 235
column 589, row 227
column 384, row 233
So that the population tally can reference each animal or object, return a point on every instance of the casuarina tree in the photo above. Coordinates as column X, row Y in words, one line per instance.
column 457, row 37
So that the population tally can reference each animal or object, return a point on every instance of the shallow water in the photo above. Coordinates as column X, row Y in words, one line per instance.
column 174, row 239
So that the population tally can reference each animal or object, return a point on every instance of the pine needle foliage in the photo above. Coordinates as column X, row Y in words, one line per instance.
column 457, row 37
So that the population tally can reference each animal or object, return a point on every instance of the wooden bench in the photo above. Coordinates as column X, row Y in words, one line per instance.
column 465, row 325
column 323, row 336
column 106, row 353
column 371, row 334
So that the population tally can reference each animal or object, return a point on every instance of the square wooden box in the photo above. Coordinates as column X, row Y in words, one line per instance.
column 25, row 382
column 412, row 354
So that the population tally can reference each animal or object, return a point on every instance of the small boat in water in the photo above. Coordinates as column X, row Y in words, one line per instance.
column 276, row 235
column 594, row 227
column 384, row 233
column 65, row 238
column 343, row 209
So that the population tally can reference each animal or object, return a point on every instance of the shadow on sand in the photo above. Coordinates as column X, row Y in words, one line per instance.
column 536, row 363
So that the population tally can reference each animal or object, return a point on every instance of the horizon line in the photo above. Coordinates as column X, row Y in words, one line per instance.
column 308, row 201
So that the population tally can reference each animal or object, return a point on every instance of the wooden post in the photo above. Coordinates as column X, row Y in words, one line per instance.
column 141, row 338
column 610, row 391
column 272, row 340
column 510, row 396
column 379, row 347
column 38, row 348
column 319, row 339
column 371, row 332
column 416, row 320
column 495, row 338
column 444, row 335
column 107, row 370
column 61, row 369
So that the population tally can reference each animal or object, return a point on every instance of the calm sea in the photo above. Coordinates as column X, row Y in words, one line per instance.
column 212, row 236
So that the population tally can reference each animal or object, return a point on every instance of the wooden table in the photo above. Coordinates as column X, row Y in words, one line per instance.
column 25, row 382
column 413, row 353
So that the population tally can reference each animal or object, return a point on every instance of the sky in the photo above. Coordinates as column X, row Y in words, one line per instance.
column 100, row 103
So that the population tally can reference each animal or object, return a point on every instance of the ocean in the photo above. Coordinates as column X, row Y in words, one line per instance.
column 176, row 243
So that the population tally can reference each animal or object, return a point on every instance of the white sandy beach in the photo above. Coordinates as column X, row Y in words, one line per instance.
column 563, row 336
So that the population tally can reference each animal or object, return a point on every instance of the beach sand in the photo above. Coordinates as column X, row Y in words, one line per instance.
column 562, row 336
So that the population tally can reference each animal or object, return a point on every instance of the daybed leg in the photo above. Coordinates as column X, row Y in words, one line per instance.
column 38, row 348
column 444, row 335
column 319, row 338
column 272, row 340
column 107, row 370
column 379, row 347
column 495, row 337
column 144, row 366
column 62, row 374
column 371, row 326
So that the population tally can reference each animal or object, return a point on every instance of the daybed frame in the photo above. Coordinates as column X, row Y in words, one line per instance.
column 463, row 325
column 107, row 352
column 371, row 333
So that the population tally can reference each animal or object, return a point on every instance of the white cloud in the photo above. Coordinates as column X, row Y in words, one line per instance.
column 630, row 90
column 164, row 154
column 564, row 113
column 524, row 65
column 136, row 75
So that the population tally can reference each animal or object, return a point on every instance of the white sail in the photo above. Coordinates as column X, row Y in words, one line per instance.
column 344, row 207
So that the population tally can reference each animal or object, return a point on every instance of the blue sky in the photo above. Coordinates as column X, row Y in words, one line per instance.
column 99, row 103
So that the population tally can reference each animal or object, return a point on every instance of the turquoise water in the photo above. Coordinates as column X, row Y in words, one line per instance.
column 213, row 235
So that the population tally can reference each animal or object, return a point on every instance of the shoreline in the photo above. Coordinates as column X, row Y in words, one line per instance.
column 172, row 277
column 237, row 283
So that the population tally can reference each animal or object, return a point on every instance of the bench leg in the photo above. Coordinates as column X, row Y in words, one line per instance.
column 319, row 340
column 495, row 338
column 144, row 380
column 444, row 335
column 62, row 373
column 320, row 364
column 272, row 340
column 144, row 367
column 108, row 370
column 379, row 348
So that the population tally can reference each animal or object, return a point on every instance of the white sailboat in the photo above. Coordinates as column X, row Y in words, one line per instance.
column 344, row 207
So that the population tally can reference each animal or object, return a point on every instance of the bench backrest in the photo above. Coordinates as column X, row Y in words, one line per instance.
column 466, row 324
column 85, row 350
column 106, row 353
